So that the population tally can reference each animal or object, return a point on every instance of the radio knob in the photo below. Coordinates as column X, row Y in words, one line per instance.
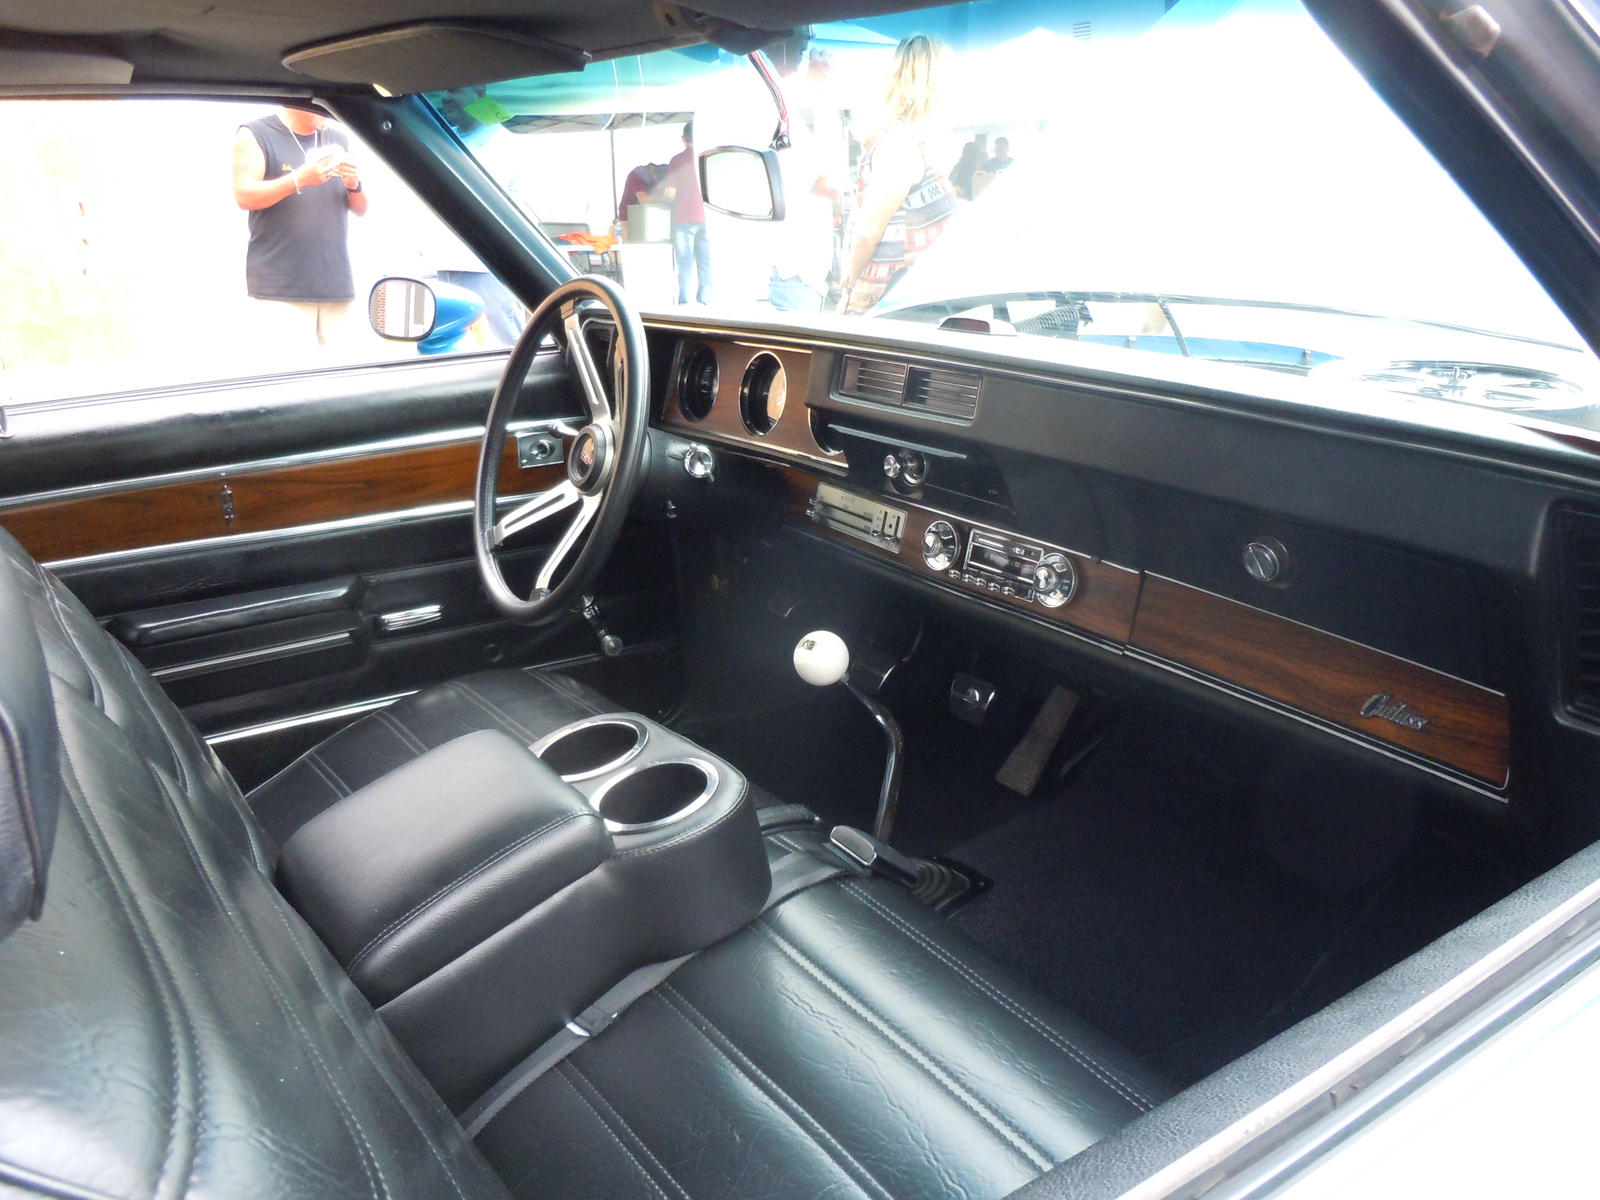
column 1054, row 580
column 940, row 546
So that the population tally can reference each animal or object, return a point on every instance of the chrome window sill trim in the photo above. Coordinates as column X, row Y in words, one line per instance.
column 246, row 658
column 460, row 434
column 320, row 717
column 1346, row 1074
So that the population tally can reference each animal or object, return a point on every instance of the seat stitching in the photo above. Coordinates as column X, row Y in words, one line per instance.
column 1020, row 1141
column 690, row 834
column 362, row 1043
column 371, row 1167
column 326, row 768
column 394, row 926
column 570, row 1068
column 507, row 722
column 1091, row 1063
column 150, row 951
column 612, row 1134
column 406, row 735
column 746, row 1066
column 567, row 688
column 60, row 614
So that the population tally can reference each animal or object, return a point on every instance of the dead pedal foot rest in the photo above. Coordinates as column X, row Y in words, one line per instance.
column 1025, row 764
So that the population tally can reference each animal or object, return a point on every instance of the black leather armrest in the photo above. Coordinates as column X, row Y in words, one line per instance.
column 412, row 871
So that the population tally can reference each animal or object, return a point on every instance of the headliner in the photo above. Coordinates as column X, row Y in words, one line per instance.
column 243, row 42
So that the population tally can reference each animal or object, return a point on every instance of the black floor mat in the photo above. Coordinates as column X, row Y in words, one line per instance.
column 1192, row 912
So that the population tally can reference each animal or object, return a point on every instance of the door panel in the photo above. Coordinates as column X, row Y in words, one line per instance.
column 345, row 572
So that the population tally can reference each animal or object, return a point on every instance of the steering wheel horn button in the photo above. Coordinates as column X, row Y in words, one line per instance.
column 589, row 462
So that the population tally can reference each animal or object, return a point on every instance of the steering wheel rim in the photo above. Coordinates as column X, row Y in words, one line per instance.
column 605, row 463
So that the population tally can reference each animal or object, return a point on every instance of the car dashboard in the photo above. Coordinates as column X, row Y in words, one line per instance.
column 1378, row 588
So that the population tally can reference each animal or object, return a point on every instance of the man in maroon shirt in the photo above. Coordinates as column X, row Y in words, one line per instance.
column 690, row 246
column 642, row 187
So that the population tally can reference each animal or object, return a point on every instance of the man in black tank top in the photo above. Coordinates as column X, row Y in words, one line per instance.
column 293, row 174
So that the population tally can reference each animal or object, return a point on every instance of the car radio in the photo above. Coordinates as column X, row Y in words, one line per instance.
column 999, row 563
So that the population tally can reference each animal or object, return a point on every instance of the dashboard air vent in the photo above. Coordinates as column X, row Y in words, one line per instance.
column 947, row 393
column 1579, row 540
column 873, row 379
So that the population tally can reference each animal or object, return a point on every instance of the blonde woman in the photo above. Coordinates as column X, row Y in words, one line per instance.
column 902, row 201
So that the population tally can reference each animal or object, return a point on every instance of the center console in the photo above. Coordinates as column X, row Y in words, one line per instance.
column 484, row 894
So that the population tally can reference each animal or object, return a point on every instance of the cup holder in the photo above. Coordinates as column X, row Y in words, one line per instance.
column 655, row 794
column 590, row 747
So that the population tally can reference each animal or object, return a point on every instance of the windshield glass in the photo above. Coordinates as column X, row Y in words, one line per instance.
column 1202, row 179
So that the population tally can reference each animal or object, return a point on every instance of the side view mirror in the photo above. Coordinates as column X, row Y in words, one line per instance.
column 402, row 310
column 742, row 182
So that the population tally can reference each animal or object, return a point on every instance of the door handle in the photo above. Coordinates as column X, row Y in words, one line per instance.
column 409, row 618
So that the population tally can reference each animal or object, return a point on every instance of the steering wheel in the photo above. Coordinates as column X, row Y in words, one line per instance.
column 605, row 463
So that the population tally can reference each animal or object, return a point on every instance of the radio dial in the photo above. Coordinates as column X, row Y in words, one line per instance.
column 1054, row 580
column 940, row 546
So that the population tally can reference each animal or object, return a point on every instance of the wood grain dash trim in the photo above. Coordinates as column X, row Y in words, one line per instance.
column 262, row 500
column 1468, row 727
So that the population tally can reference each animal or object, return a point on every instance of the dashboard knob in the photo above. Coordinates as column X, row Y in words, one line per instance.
column 699, row 462
column 906, row 467
column 1054, row 580
column 940, row 546
column 1265, row 560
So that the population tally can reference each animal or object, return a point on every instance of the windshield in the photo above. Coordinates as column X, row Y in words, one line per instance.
column 1201, row 180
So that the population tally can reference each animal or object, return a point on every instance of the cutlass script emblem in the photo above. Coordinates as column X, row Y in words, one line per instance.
column 1387, row 708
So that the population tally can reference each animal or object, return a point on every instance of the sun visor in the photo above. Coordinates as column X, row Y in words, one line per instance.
column 432, row 56
column 60, row 68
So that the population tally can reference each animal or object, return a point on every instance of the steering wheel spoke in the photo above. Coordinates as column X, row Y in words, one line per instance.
column 582, row 359
column 575, row 529
column 605, row 464
column 563, row 495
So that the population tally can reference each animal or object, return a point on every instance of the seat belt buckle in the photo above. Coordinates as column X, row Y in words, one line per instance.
column 873, row 855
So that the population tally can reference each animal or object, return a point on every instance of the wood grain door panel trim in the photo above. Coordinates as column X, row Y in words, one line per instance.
column 263, row 500
column 1467, row 727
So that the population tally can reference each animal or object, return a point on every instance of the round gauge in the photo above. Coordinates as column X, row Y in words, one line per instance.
column 697, row 382
column 763, row 393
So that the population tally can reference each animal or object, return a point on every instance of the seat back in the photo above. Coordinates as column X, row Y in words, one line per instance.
column 170, row 1027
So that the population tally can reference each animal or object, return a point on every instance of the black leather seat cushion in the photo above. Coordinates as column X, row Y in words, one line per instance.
column 850, row 1042
column 171, row 1026
column 524, row 705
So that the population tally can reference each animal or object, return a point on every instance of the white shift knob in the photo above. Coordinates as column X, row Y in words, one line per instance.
column 821, row 658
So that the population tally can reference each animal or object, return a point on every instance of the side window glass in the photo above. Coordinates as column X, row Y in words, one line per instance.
column 155, row 243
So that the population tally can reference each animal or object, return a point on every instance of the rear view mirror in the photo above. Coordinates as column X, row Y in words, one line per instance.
column 402, row 310
column 742, row 182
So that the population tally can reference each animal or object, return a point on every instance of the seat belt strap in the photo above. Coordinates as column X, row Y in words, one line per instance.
column 791, row 874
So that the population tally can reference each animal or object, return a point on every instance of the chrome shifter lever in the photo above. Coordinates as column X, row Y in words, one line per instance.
column 822, row 659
